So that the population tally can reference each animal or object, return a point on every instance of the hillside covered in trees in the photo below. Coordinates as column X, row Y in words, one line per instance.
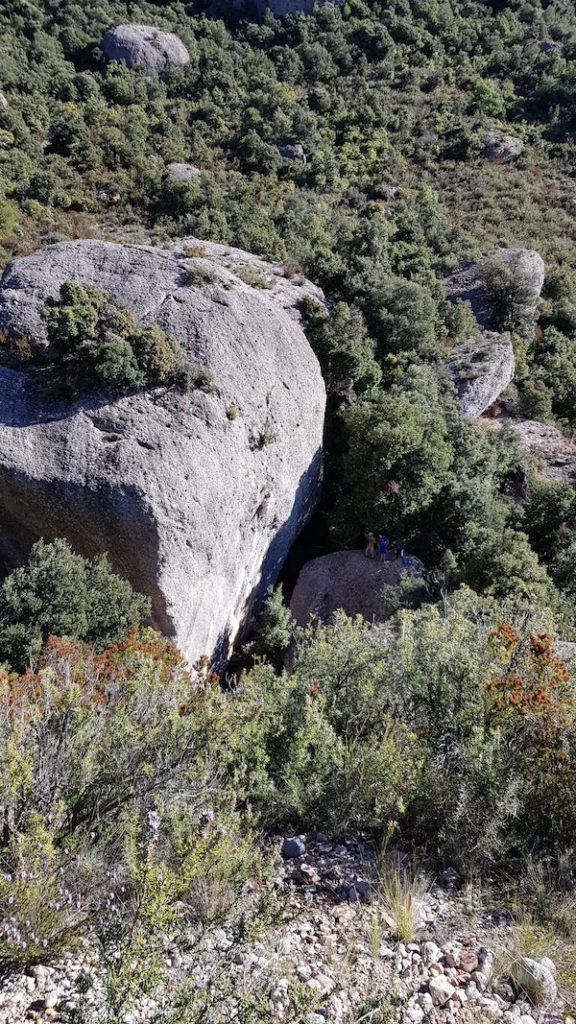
column 416, row 161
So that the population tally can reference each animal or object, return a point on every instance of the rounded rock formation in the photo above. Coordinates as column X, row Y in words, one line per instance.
column 465, row 283
column 197, row 506
column 146, row 47
column 347, row 580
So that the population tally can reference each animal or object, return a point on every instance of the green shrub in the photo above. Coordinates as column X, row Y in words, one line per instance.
column 60, row 593
column 510, row 295
column 253, row 277
column 274, row 628
column 73, row 321
column 45, row 895
column 198, row 276
column 116, row 365
column 267, row 435
column 158, row 355
column 118, row 783
column 98, row 343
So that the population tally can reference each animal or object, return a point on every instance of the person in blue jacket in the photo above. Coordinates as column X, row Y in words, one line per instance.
column 383, row 545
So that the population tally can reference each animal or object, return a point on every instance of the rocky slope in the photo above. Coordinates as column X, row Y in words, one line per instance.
column 196, row 496
column 334, row 950
column 554, row 451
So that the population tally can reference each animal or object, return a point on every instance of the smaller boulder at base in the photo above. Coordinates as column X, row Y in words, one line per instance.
column 350, row 581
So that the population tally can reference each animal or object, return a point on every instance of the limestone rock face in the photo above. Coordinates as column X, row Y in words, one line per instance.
column 196, row 497
column 481, row 369
column 500, row 148
column 146, row 47
column 347, row 580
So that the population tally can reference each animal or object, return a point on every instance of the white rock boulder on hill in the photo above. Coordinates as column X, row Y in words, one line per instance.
column 481, row 369
column 553, row 451
column 196, row 497
column 182, row 172
column 146, row 47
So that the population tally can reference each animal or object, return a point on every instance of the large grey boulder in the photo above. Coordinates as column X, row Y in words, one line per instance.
column 197, row 497
column 146, row 47
column 466, row 281
column 481, row 369
column 347, row 580
column 500, row 148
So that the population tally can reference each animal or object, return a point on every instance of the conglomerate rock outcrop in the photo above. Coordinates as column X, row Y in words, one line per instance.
column 197, row 497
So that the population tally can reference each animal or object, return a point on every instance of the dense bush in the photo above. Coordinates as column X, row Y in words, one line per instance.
column 57, row 592
column 113, row 765
column 455, row 726
column 129, row 788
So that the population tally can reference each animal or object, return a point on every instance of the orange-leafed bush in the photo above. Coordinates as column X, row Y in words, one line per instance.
column 534, row 700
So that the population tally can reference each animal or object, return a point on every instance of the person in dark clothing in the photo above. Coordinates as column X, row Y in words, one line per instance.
column 383, row 545
column 400, row 550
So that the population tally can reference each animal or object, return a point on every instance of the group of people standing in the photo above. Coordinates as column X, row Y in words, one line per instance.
column 379, row 545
